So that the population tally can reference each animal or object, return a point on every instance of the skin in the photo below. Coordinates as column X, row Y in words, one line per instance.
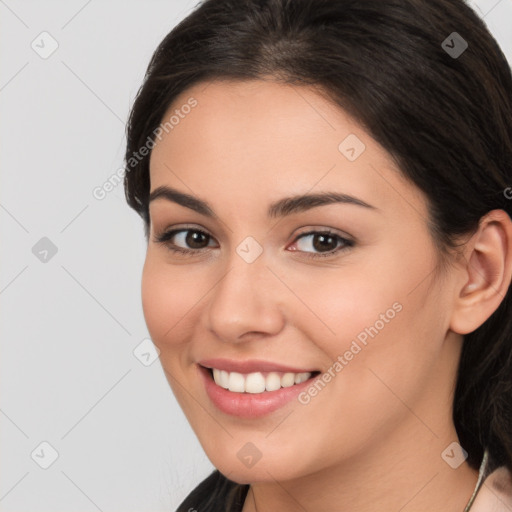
column 372, row 439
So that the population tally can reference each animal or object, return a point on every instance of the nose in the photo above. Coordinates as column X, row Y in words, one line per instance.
column 246, row 302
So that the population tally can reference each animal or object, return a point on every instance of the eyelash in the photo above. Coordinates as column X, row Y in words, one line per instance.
column 166, row 236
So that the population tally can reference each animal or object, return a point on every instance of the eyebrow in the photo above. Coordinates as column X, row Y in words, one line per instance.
column 280, row 208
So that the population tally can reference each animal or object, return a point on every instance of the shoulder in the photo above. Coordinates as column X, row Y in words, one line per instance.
column 213, row 494
column 495, row 495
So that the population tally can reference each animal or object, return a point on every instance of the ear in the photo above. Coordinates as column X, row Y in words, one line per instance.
column 486, row 273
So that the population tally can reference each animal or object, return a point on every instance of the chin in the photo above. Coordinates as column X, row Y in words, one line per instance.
column 266, row 469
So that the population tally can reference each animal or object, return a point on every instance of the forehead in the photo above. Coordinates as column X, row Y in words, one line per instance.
column 262, row 140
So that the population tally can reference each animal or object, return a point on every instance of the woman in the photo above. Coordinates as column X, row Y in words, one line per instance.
column 325, row 190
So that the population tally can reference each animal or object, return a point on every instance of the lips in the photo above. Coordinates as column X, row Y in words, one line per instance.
column 244, row 394
column 252, row 366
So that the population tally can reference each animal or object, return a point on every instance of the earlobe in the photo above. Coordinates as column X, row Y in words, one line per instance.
column 486, row 274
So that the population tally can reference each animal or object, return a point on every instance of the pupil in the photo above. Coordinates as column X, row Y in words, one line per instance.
column 323, row 239
column 193, row 238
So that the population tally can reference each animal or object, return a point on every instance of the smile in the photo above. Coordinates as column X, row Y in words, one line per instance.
column 257, row 382
column 248, row 393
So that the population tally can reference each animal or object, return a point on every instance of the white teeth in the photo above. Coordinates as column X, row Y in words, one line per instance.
column 236, row 382
column 288, row 380
column 221, row 377
column 256, row 382
column 301, row 377
column 273, row 381
column 224, row 379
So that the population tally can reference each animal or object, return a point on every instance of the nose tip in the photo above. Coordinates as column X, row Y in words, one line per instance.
column 244, row 302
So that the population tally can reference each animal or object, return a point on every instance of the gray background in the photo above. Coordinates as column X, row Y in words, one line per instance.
column 72, row 320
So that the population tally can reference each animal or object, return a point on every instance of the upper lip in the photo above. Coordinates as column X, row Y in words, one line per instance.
column 250, row 366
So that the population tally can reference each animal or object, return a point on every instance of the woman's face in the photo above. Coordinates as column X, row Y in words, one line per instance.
column 258, row 293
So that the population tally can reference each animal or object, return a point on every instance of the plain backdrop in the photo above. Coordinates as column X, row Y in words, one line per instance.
column 87, row 418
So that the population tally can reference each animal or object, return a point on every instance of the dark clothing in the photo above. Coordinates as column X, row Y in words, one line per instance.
column 215, row 493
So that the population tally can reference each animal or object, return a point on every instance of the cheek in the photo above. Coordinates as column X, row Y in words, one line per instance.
column 378, row 316
column 344, row 305
column 168, row 297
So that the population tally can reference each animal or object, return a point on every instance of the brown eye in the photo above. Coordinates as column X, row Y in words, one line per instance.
column 324, row 243
column 196, row 239
column 186, row 241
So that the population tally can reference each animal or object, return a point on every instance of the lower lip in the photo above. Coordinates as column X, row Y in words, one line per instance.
column 250, row 405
